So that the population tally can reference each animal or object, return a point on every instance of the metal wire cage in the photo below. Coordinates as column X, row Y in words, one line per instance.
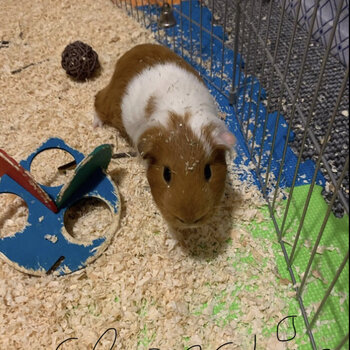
column 282, row 70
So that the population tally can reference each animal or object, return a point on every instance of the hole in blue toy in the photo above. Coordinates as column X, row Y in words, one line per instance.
column 88, row 219
column 45, row 167
column 13, row 214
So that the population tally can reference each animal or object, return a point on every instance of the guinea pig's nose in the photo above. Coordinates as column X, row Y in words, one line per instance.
column 198, row 220
column 189, row 221
column 179, row 219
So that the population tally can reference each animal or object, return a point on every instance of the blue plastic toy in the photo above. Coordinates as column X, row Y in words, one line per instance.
column 44, row 246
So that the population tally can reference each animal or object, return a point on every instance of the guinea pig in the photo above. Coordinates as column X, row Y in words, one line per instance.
column 162, row 106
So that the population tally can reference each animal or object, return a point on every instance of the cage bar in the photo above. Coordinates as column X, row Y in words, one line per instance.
column 329, row 290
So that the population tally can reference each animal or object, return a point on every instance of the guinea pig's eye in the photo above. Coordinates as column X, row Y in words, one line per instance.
column 167, row 174
column 207, row 172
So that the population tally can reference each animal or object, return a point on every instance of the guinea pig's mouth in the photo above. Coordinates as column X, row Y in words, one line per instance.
column 182, row 226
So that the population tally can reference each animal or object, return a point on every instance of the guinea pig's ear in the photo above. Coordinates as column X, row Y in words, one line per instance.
column 218, row 155
column 224, row 139
column 145, row 148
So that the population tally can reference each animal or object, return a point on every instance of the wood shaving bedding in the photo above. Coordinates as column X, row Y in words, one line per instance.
column 214, row 286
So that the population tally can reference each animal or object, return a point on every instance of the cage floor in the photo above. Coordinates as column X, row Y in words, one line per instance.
column 223, row 285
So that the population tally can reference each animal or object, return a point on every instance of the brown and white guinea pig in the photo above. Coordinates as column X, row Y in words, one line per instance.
column 161, row 105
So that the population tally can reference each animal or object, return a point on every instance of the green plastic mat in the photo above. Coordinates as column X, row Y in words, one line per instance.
column 333, row 322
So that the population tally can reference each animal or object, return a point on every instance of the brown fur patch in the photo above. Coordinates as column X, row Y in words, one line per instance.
column 150, row 107
column 176, row 121
column 178, row 136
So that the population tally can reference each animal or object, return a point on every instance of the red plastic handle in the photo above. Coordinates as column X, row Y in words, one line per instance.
column 14, row 170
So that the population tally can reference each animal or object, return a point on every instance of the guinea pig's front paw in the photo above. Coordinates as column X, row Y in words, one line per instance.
column 171, row 243
column 96, row 121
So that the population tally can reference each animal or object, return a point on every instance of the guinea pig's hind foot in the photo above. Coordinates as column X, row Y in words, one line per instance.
column 96, row 121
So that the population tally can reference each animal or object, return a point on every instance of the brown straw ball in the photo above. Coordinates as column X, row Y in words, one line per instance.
column 79, row 60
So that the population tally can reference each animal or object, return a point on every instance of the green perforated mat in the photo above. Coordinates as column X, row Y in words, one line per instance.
column 333, row 322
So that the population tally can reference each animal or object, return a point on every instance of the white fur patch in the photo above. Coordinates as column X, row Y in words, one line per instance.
column 174, row 90
column 96, row 120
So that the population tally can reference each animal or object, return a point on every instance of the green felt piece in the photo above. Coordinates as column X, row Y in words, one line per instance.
column 98, row 159
column 334, row 320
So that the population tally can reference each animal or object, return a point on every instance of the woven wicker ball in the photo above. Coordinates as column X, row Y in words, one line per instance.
column 79, row 60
